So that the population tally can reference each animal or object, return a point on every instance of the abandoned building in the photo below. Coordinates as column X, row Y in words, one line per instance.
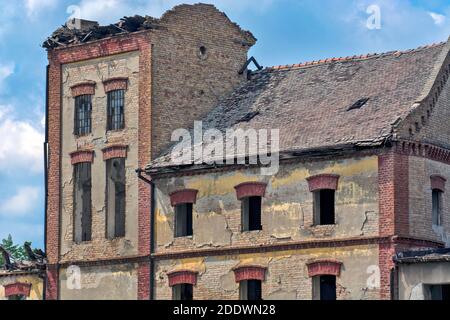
column 364, row 163
column 22, row 280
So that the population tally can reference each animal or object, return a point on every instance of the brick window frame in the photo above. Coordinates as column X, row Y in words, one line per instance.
column 83, row 88
column 438, row 182
column 117, row 83
column 18, row 288
column 250, row 189
column 81, row 156
column 249, row 273
column 183, row 196
column 324, row 267
column 114, row 151
column 182, row 277
column 323, row 181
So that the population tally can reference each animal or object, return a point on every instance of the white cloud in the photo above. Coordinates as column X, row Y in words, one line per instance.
column 438, row 19
column 22, row 203
column 34, row 7
column 21, row 143
column 5, row 71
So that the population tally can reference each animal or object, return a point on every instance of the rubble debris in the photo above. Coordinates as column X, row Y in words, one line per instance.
column 37, row 260
column 69, row 34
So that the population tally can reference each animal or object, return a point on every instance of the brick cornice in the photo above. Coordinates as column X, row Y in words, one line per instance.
column 118, row 83
column 183, row 196
column 182, row 277
column 83, row 88
column 18, row 288
column 324, row 267
column 81, row 156
column 250, row 189
column 438, row 182
column 114, row 151
column 323, row 181
column 249, row 273
column 424, row 150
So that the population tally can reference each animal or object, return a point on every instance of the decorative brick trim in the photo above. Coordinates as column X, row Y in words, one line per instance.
column 18, row 288
column 85, row 88
column 119, row 83
column 323, row 181
column 182, row 277
column 115, row 151
column 438, row 182
column 82, row 156
column 424, row 150
column 250, row 189
column 183, row 196
column 324, row 267
column 249, row 273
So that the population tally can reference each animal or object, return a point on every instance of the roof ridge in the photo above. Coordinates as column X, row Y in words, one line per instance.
column 350, row 58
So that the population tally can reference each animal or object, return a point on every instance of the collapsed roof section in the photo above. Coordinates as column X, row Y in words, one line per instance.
column 78, row 31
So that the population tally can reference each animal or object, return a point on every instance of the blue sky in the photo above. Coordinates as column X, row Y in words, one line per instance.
column 288, row 32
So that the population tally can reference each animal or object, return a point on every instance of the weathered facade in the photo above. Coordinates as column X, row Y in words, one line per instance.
column 376, row 166
column 21, row 285
column 188, row 59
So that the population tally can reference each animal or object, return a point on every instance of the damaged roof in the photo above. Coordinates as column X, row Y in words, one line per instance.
column 77, row 31
column 419, row 256
column 324, row 104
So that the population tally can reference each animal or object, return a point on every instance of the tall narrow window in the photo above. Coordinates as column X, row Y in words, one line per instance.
column 183, row 220
column 437, row 207
column 324, row 203
column 82, row 202
column 116, row 103
column 183, row 292
column 251, row 214
column 115, row 198
column 83, row 113
column 250, row 290
column 324, row 287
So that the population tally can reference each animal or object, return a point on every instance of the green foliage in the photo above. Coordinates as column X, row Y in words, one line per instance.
column 16, row 251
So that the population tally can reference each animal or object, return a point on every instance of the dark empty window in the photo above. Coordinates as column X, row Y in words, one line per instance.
column 115, row 198
column 83, row 113
column 324, row 287
column 358, row 104
column 183, row 292
column 437, row 207
column 116, row 103
column 440, row 292
column 250, row 290
column 251, row 214
column 324, row 207
column 183, row 220
column 82, row 202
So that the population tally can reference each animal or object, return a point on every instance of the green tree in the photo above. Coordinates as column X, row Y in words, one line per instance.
column 17, row 252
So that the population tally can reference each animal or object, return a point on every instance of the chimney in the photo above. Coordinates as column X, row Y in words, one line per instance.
column 81, row 24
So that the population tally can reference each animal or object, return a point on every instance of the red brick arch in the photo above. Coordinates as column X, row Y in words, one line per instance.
column 324, row 267
column 182, row 277
column 250, row 189
column 323, row 181
column 183, row 196
column 114, row 151
column 119, row 83
column 82, row 156
column 84, row 88
column 438, row 182
column 249, row 273
column 18, row 289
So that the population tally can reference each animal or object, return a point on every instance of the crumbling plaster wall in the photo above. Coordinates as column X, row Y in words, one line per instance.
column 186, row 84
column 37, row 285
column 287, row 213
column 420, row 200
column 286, row 276
column 413, row 279
column 113, row 282
column 98, row 70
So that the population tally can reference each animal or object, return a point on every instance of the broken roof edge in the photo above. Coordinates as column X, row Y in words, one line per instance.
column 362, row 57
column 128, row 25
column 421, row 256
column 156, row 171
